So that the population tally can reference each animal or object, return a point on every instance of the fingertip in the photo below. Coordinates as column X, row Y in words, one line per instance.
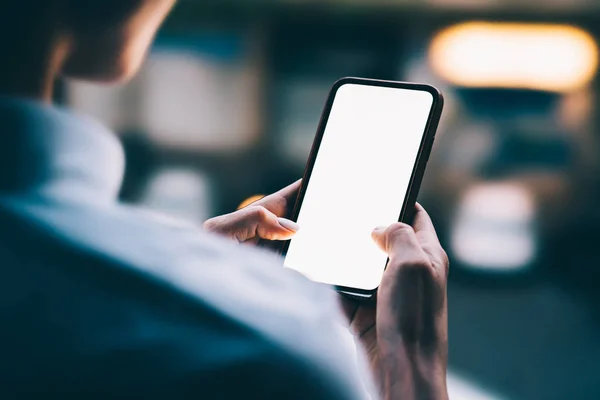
column 378, row 232
column 288, row 224
column 378, row 236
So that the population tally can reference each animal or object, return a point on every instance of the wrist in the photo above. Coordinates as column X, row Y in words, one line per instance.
column 414, row 371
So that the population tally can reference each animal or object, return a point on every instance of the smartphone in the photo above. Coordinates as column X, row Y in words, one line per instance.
column 364, row 171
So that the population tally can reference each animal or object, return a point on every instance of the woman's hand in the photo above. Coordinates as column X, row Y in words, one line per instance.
column 404, row 332
column 263, row 219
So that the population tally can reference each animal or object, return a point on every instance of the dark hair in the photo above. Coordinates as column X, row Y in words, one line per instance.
column 21, row 15
column 94, row 14
column 38, row 15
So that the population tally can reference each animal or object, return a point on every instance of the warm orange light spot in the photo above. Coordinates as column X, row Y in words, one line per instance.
column 250, row 200
column 552, row 57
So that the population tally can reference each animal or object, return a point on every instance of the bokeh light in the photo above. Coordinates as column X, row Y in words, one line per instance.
column 533, row 56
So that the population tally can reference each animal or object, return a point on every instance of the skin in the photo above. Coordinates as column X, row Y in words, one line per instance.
column 99, row 41
column 404, row 333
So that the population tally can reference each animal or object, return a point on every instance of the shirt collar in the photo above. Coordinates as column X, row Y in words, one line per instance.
column 48, row 150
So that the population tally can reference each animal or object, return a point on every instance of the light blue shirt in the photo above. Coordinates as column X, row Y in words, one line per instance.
column 100, row 300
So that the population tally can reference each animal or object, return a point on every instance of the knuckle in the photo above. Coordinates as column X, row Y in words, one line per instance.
column 441, row 261
column 259, row 213
column 281, row 203
column 413, row 264
column 214, row 224
column 400, row 238
column 399, row 230
column 208, row 224
column 411, row 258
column 445, row 260
column 437, row 255
column 421, row 270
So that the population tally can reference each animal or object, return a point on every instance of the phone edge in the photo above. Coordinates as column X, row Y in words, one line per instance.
column 418, row 173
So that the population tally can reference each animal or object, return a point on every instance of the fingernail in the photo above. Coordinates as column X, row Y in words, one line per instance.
column 380, row 229
column 289, row 225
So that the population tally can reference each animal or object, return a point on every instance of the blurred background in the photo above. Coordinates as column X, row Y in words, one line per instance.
column 228, row 103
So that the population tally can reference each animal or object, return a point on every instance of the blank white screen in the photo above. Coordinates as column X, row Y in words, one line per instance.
column 359, row 182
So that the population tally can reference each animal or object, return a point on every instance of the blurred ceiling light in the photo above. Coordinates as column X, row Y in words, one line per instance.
column 494, row 228
column 550, row 57
column 250, row 200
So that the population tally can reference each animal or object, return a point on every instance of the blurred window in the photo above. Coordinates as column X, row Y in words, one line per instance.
column 494, row 228
column 180, row 192
column 201, row 96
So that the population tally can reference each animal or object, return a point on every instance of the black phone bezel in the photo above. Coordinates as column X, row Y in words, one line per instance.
column 407, row 210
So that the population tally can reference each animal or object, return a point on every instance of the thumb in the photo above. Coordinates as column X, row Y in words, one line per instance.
column 378, row 236
column 274, row 228
column 395, row 239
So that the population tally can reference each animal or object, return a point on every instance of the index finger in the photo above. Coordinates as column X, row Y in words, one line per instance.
column 427, row 237
column 289, row 192
column 423, row 226
column 279, row 202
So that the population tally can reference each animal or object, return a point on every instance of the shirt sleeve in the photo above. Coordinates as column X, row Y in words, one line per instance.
column 263, row 370
column 283, row 375
column 222, row 360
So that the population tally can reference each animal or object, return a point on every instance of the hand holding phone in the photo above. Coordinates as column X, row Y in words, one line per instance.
column 405, row 333
column 365, row 170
